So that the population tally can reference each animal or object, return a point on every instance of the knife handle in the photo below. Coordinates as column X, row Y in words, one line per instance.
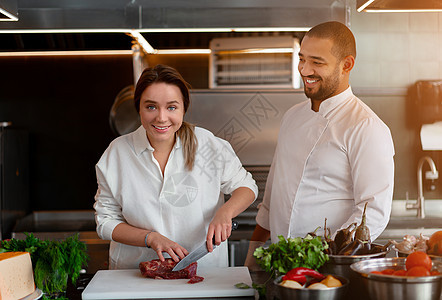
column 234, row 225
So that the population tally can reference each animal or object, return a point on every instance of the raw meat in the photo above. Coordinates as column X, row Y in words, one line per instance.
column 163, row 270
column 195, row 279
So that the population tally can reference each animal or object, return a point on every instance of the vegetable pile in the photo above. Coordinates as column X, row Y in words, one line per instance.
column 300, row 277
column 300, row 274
column 410, row 244
column 281, row 257
column 53, row 261
column 431, row 245
column 417, row 264
column 353, row 240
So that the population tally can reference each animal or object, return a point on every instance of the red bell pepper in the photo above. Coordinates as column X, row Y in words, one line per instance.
column 301, row 279
column 305, row 272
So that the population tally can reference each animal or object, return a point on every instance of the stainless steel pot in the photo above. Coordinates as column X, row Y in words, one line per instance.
column 340, row 265
column 335, row 293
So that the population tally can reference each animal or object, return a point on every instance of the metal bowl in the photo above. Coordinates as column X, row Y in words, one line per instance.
column 334, row 293
column 397, row 287
column 340, row 265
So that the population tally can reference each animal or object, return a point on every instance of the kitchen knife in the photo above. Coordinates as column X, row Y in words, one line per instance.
column 199, row 252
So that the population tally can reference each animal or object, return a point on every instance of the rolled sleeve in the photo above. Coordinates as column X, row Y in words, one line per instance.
column 234, row 175
column 107, row 210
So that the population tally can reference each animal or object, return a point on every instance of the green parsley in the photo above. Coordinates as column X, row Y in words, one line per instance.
column 281, row 257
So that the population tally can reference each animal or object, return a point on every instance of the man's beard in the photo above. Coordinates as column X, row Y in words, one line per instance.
column 327, row 86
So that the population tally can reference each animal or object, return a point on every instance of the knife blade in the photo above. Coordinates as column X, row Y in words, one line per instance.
column 198, row 252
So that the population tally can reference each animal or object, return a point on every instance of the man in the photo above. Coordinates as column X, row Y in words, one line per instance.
column 333, row 153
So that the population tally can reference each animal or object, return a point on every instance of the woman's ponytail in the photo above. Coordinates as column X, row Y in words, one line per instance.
column 189, row 143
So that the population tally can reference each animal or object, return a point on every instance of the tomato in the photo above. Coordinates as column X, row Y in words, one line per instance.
column 418, row 271
column 387, row 271
column 435, row 243
column 434, row 273
column 376, row 272
column 418, row 258
column 400, row 273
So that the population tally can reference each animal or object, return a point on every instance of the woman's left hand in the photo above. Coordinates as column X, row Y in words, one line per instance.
column 219, row 230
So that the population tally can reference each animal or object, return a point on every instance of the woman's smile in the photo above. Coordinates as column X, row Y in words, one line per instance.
column 161, row 128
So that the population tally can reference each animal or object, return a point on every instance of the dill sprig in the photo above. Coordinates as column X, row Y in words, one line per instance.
column 53, row 261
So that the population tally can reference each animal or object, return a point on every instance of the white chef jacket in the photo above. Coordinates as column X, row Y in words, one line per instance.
column 180, row 205
column 327, row 164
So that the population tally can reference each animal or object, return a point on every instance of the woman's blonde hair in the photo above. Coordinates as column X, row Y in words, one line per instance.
column 169, row 75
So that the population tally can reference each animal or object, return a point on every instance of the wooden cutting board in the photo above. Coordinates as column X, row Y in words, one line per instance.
column 129, row 284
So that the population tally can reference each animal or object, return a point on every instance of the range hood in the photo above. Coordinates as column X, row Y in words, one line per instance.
column 163, row 14
column 399, row 5
column 150, row 17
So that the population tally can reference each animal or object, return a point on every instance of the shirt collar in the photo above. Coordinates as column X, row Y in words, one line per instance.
column 330, row 103
column 141, row 142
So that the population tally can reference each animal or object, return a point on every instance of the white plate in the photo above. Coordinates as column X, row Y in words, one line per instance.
column 37, row 294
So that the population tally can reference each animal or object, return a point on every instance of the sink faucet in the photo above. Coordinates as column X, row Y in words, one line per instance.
column 420, row 204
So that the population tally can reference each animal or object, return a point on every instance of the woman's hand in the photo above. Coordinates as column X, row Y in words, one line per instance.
column 221, row 226
column 219, row 229
column 160, row 244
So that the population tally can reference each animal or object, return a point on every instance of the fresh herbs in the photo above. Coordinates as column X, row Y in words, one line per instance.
column 53, row 261
column 242, row 286
column 281, row 257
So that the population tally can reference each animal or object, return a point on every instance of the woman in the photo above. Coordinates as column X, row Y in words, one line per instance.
column 160, row 188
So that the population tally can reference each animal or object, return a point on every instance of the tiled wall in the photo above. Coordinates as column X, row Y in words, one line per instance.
column 396, row 49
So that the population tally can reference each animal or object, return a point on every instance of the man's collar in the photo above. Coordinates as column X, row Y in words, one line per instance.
column 329, row 104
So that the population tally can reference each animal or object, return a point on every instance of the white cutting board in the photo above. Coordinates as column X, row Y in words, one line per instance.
column 129, row 284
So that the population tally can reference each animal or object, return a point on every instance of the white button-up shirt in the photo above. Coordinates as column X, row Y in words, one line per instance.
column 327, row 164
column 180, row 205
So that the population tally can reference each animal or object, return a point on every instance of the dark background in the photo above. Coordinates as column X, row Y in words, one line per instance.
column 64, row 103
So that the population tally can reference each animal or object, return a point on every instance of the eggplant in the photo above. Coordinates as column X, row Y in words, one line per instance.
column 344, row 236
column 362, row 231
column 381, row 248
column 356, row 247
column 313, row 234
column 332, row 249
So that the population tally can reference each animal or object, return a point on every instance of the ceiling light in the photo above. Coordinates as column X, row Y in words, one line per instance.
column 142, row 42
column 8, row 10
column 399, row 6
column 270, row 29
column 103, row 30
column 401, row 10
column 244, row 29
column 257, row 50
column 364, row 5
column 67, row 53
column 7, row 16
column 183, row 51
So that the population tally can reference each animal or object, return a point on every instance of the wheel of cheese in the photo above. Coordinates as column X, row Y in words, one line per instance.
column 16, row 275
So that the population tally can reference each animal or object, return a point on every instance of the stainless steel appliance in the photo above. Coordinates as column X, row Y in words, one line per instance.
column 254, row 62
